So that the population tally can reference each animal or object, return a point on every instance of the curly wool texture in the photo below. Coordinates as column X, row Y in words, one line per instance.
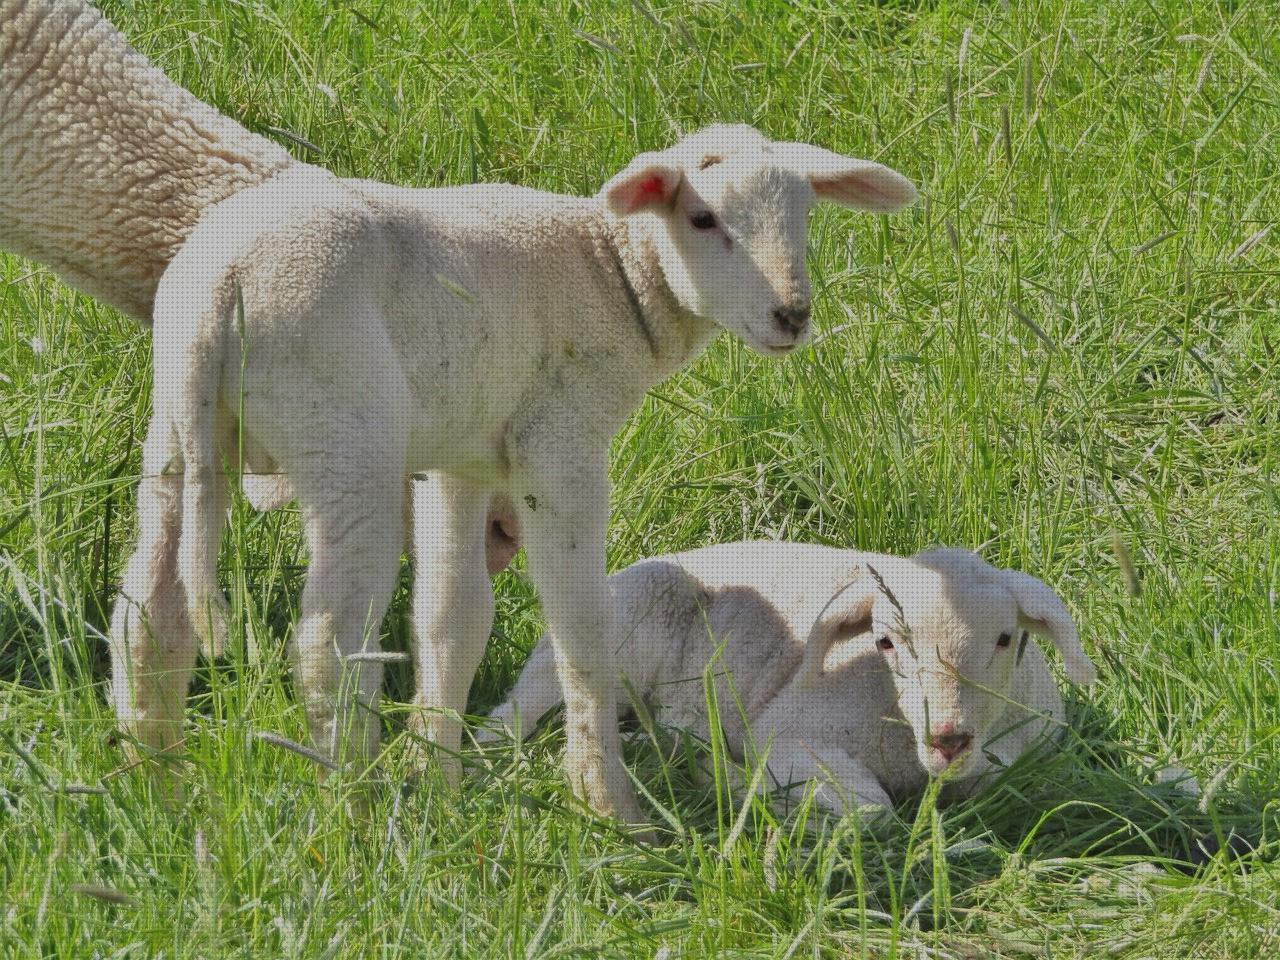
column 105, row 163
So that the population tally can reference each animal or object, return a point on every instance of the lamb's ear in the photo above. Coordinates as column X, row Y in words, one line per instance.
column 860, row 184
column 1041, row 611
column 845, row 616
column 649, row 182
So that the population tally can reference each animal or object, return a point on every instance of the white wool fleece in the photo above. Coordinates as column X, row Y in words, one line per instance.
column 105, row 163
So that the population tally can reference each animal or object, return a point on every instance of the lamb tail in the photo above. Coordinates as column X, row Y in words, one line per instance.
column 204, row 484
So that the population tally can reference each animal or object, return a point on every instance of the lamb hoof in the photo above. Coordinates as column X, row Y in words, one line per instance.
column 609, row 797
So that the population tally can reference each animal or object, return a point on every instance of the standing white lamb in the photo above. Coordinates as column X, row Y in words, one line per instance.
column 361, row 332
column 864, row 672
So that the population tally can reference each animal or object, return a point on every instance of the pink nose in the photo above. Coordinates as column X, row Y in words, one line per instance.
column 948, row 742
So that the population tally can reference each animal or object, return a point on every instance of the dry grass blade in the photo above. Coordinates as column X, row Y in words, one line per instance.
column 1252, row 241
column 904, row 629
column 647, row 13
column 796, row 49
column 1154, row 242
column 1034, row 327
column 74, row 789
column 377, row 656
column 102, row 893
column 1132, row 583
column 292, row 137
column 1006, row 138
column 284, row 743
column 600, row 43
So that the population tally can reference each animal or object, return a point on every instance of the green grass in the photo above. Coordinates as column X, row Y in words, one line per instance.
column 1070, row 344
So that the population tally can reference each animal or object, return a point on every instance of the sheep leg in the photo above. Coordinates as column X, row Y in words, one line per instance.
column 452, row 607
column 153, row 644
column 564, row 513
column 353, row 520
column 844, row 783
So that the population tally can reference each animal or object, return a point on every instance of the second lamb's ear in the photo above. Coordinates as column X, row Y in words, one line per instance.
column 845, row 616
column 860, row 184
column 649, row 182
column 1041, row 611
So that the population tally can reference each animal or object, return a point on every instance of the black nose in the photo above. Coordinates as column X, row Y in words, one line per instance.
column 792, row 319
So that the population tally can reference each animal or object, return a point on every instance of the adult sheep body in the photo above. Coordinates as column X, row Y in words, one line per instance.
column 105, row 163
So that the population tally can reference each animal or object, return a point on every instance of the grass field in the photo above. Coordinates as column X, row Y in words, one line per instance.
column 1066, row 355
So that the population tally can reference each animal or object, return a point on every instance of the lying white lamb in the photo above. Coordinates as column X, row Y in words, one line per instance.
column 862, row 671
column 363, row 332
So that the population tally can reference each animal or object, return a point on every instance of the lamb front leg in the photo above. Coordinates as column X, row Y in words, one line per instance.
column 563, row 513
column 452, row 606
column 844, row 783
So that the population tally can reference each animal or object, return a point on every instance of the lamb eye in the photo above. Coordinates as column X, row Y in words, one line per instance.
column 703, row 221
column 884, row 643
column 1004, row 640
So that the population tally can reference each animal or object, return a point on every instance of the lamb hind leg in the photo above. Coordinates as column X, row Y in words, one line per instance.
column 452, row 606
column 153, row 644
column 354, row 521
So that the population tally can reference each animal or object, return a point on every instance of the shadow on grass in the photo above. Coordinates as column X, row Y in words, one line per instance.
column 1090, row 805
column 1093, row 803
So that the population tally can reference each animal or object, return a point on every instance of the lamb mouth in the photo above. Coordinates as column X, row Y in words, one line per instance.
column 940, row 763
column 779, row 349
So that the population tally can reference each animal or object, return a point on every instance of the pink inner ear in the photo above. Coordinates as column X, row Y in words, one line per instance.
column 651, row 189
column 647, row 191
